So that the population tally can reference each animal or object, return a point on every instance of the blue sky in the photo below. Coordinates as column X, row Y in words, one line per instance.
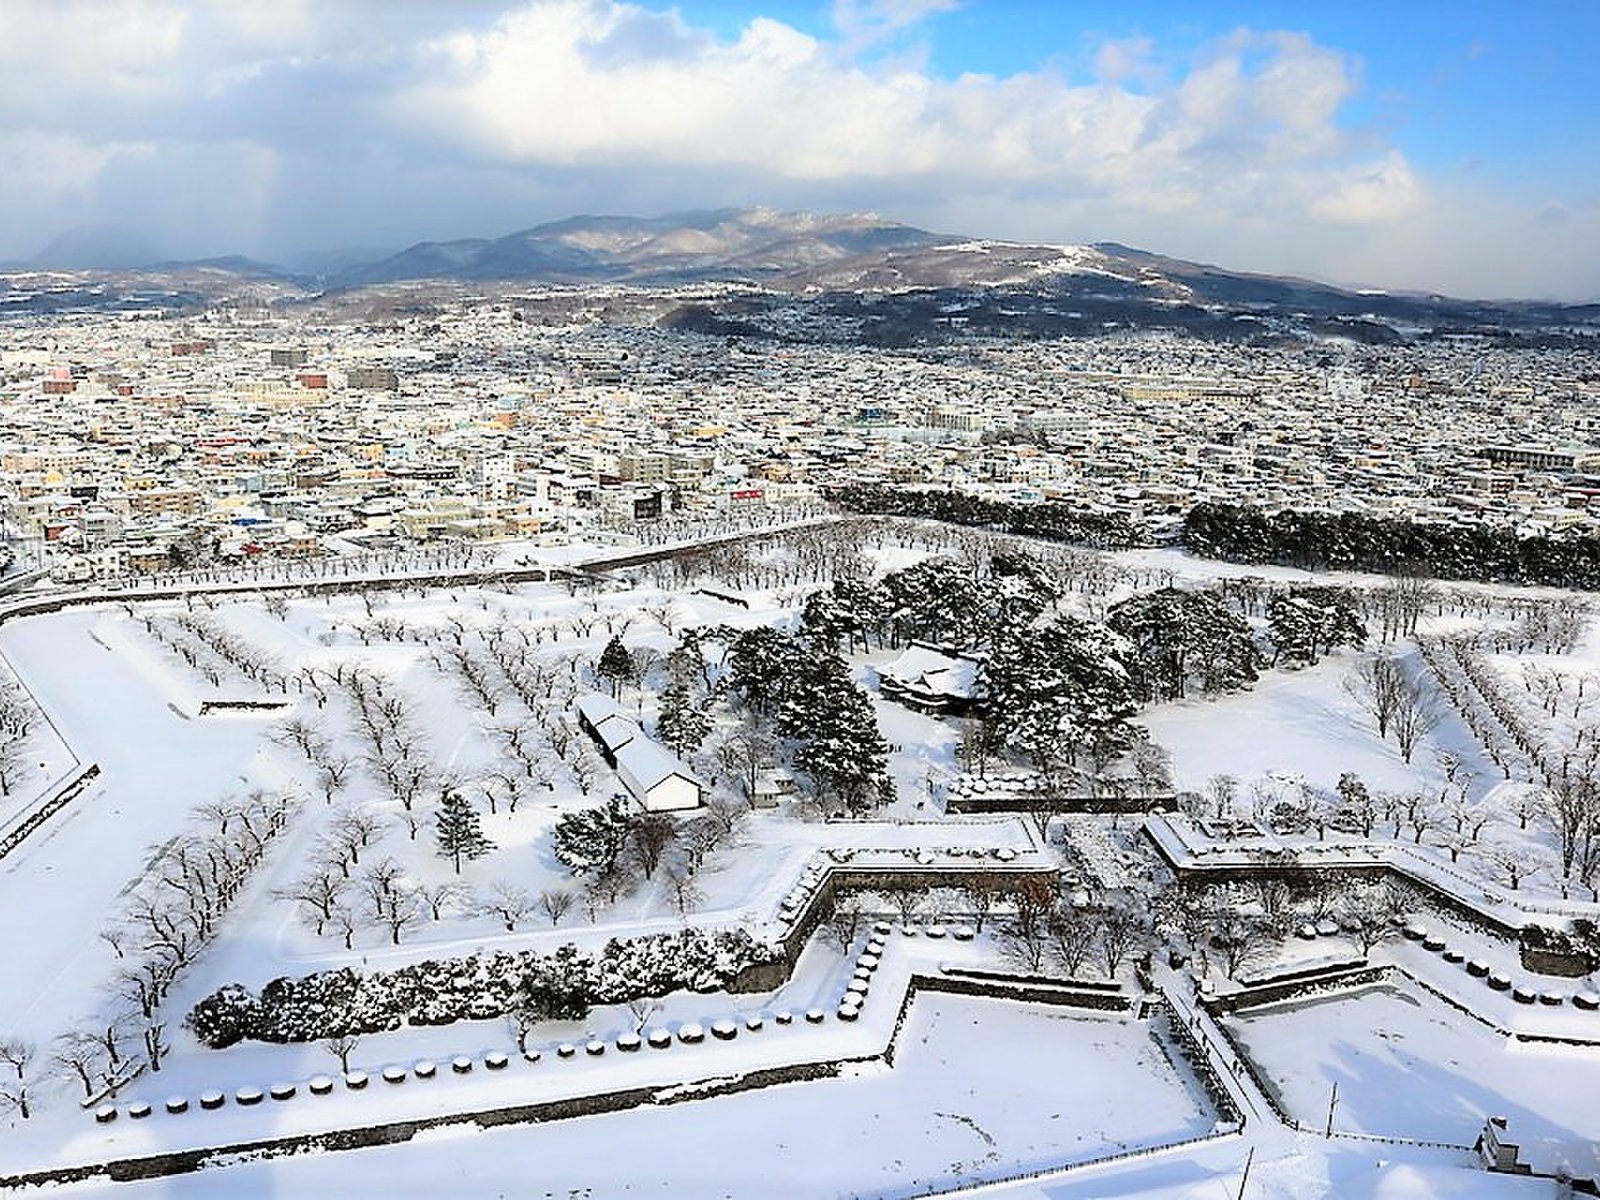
column 1464, row 85
column 1413, row 143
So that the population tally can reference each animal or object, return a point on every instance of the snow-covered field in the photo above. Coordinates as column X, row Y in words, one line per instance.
column 1409, row 1066
column 966, row 1100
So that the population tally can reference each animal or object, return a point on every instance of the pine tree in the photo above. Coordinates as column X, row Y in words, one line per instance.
column 1176, row 635
column 615, row 665
column 591, row 838
column 460, row 832
column 681, row 725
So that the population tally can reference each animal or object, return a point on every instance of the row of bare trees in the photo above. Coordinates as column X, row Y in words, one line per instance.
column 19, row 717
column 165, row 922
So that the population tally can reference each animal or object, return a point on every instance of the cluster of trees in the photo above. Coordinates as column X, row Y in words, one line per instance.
column 943, row 600
column 1056, row 690
column 779, row 559
column 1174, row 639
column 345, row 889
column 1399, row 700
column 1542, row 730
column 806, row 692
column 1048, row 520
column 1322, row 541
column 1308, row 622
column 1448, row 817
column 396, row 754
column 19, row 716
column 1240, row 926
column 564, row 983
column 409, row 560
column 1055, row 686
column 215, row 652
column 1044, row 928
column 613, row 846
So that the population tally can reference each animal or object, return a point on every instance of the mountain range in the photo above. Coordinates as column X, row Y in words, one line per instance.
column 809, row 255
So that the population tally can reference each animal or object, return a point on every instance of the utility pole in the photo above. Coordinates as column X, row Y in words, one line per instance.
column 1245, row 1177
column 1333, row 1099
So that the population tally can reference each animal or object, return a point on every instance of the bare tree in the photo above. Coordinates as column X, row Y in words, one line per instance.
column 80, row 1055
column 683, row 889
column 1415, row 715
column 1419, row 814
column 747, row 750
column 389, row 901
column 1072, row 932
column 318, row 892
column 440, row 896
column 345, row 921
column 556, row 903
column 342, row 1047
column 1376, row 684
column 333, row 772
column 1372, row 914
column 1122, row 931
column 1514, row 862
column 844, row 922
column 585, row 768
column 20, row 1080
column 509, row 903
column 354, row 830
column 649, row 838
column 1222, row 791
column 153, row 1037
column 1572, row 809
column 1242, row 940
column 982, row 892
column 641, row 1009
column 1023, row 939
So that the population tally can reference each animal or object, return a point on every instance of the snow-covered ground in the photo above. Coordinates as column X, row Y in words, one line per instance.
column 982, row 1088
column 1408, row 1066
column 965, row 1100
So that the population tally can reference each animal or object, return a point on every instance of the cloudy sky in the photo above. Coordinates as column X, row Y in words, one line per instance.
column 1402, row 143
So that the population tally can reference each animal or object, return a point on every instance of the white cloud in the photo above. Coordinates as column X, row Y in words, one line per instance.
column 1118, row 59
column 532, row 90
column 321, row 123
column 1372, row 192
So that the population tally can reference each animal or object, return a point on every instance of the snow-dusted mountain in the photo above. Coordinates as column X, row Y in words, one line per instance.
column 752, row 243
column 831, row 264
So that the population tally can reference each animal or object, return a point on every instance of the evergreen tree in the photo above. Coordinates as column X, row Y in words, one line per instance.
column 841, row 748
column 681, row 725
column 1309, row 622
column 1355, row 807
column 615, row 665
column 850, row 610
column 460, row 831
column 937, row 600
column 591, row 838
column 761, row 662
column 548, row 993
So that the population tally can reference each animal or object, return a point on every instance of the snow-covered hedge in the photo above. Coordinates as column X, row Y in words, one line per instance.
column 333, row 1003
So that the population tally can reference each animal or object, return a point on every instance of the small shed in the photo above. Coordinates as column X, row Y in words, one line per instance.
column 657, row 779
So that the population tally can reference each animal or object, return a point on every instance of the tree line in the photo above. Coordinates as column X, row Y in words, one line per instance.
column 1325, row 541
